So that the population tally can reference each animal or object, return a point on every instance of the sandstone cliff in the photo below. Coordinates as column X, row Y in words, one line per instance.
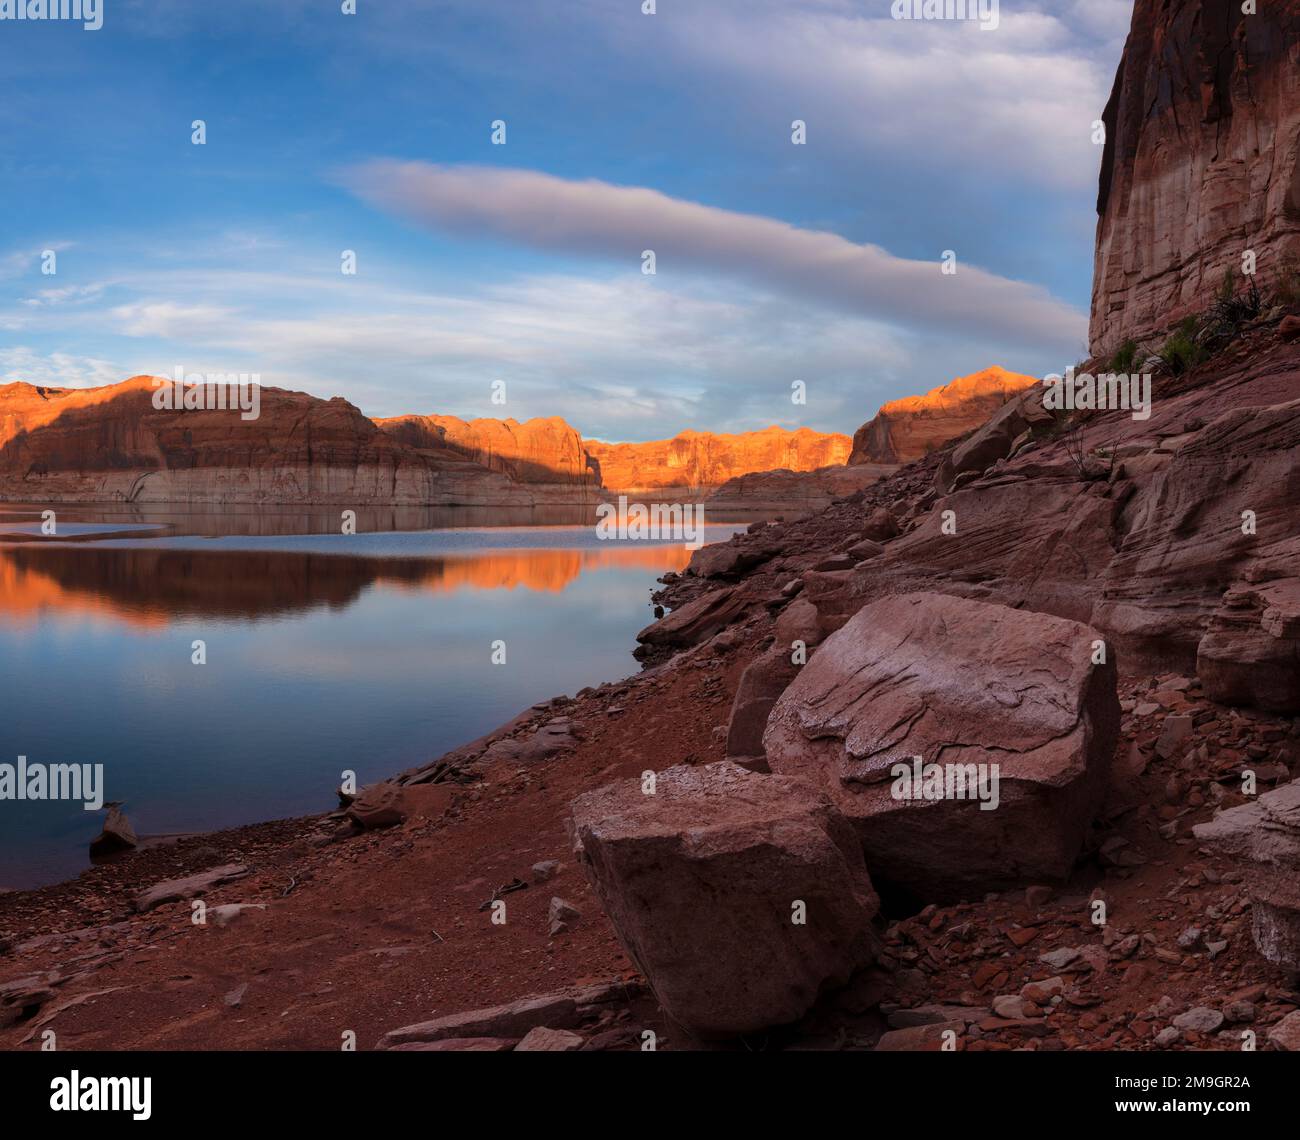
column 112, row 444
column 539, row 451
column 909, row 428
column 693, row 460
column 1201, row 162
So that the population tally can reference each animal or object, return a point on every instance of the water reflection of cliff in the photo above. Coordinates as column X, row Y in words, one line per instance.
column 270, row 520
column 148, row 588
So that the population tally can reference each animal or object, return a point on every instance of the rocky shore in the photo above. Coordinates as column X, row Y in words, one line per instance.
column 378, row 919
column 998, row 751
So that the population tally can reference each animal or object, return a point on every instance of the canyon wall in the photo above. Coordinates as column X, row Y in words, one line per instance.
column 1201, row 162
column 112, row 444
column 693, row 459
column 914, row 426
column 539, row 451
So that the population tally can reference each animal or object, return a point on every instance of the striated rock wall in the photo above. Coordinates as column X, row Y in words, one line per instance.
column 692, row 459
column 796, row 490
column 539, row 451
column 112, row 444
column 1201, row 161
column 909, row 428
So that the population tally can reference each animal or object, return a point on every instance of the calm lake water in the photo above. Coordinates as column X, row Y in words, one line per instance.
column 325, row 652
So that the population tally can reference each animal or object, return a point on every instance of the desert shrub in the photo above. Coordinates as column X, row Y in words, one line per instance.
column 1128, row 357
column 1184, row 348
column 1231, row 309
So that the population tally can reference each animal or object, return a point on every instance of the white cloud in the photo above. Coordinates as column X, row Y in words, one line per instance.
column 170, row 320
column 624, row 357
column 67, row 294
column 57, row 369
column 1015, row 103
column 596, row 218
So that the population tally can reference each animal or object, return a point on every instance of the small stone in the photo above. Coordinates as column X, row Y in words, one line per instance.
column 1239, row 1012
column 1126, row 947
column 562, row 915
column 1190, row 938
column 1059, row 959
column 1009, row 1006
column 1177, row 728
column 1168, row 1036
column 544, row 1040
column 1041, row 992
column 1202, row 1019
column 231, row 912
column 922, row 1038
column 545, row 870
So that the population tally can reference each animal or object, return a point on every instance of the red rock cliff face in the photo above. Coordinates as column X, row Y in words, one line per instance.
column 695, row 459
column 1201, row 161
column 113, row 444
column 538, row 451
column 909, row 428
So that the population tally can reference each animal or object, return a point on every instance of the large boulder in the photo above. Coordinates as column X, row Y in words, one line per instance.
column 696, row 621
column 1264, row 836
column 732, row 558
column 117, row 834
column 1005, row 706
column 706, row 878
column 763, row 681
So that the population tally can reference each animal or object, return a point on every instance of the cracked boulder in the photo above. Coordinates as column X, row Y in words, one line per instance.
column 1264, row 836
column 740, row 896
column 969, row 743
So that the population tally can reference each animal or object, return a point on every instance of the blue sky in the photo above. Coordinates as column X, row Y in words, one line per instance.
column 479, row 263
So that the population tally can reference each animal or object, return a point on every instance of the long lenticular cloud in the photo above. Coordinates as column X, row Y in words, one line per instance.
column 597, row 218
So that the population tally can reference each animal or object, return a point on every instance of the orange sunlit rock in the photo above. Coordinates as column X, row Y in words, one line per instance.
column 909, row 428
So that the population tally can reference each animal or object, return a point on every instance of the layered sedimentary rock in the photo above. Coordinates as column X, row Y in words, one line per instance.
column 996, row 439
column 539, row 451
column 740, row 896
column 1201, row 162
column 1009, row 707
column 1175, row 536
column 909, row 428
column 1265, row 837
column 795, row 490
column 693, row 460
column 113, row 444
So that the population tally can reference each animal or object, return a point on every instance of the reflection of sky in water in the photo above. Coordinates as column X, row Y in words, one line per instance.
column 378, row 676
